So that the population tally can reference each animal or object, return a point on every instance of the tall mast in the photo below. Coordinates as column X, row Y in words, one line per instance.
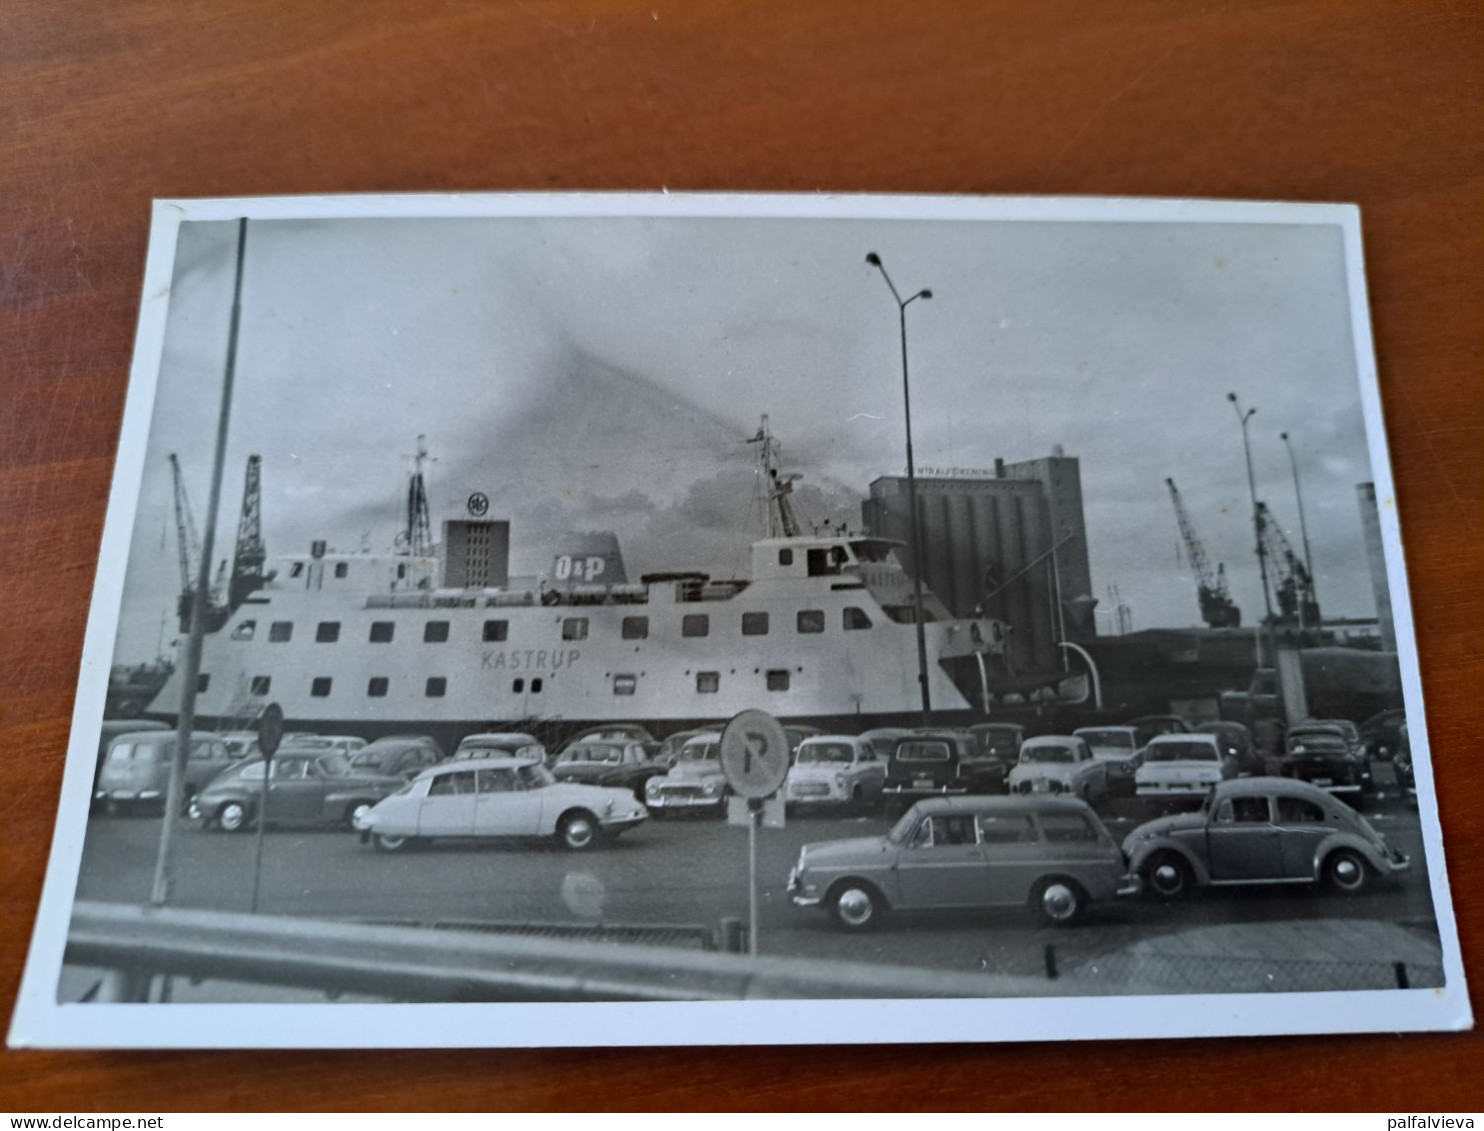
column 775, row 486
column 417, row 539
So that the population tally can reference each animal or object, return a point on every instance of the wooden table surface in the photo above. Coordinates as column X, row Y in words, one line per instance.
column 108, row 105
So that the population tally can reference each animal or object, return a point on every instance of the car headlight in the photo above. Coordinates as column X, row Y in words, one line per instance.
column 840, row 779
column 710, row 788
column 651, row 787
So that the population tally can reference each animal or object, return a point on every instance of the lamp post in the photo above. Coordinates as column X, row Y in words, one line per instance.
column 922, row 669
column 1303, row 526
column 1262, row 553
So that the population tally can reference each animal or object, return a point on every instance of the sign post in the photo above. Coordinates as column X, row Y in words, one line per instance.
column 270, row 734
column 754, row 758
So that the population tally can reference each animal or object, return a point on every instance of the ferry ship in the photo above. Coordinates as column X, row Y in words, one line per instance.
column 823, row 631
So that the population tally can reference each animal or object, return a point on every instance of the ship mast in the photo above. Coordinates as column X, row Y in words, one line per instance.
column 417, row 539
column 775, row 486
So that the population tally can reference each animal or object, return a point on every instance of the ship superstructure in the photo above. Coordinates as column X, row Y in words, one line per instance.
column 822, row 629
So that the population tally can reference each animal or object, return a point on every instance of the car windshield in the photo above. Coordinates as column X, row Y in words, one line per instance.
column 826, row 752
column 1181, row 752
column 536, row 776
column 601, row 754
column 370, row 758
column 334, row 765
column 1120, row 738
column 922, row 752
column 701, row 752
column 903, row 828
column 1046, row 754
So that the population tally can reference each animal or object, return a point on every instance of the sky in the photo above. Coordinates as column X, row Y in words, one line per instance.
column 605, row 373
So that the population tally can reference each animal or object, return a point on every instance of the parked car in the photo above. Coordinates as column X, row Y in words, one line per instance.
column 305, row 787
column 112, row 728
column 403, row 758
column 1328, row 753
column 507, row 744
column 926, row 763
column 1235, row 742
column 1182, row 767
column 1119, row 749
column 835, row 769
column 1151, row 726
column 136, row 770
column 796, row 733
column 694, row 782
column 1382, row 733
column 1059, row 763
column 884, row 739
column 670, row 747
column 243, row 743
column 1000, row 741
column 1261, row 831
column 498, row 797
column 344, row 743
column 1050, row 854
column 615, row 732
column 620, row 764
column 1401, row 764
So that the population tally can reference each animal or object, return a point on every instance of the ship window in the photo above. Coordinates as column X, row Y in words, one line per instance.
column 320, row 688
column 695, row 624
column 574, row 628
column 342, row 569
column 536, row 685
column 401, row 571
column 495, row 630
column 245, row 630
column 754, row 624
column 708, row 683
column 280, row 632
column 376, row 689
column 437, row 687
column 382, row 630
column 296, row 570
column 778, row 679
column 261, row 684
column 785, row 557
column 635, row 628
column 435, row 632
column 811, row 620
column 518, row 686
column 825, row 561
column 855, row 618
column 203, row 681
column 328, row 632
column 624, row 684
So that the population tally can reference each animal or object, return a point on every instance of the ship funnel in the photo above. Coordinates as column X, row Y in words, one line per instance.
column 588, row 559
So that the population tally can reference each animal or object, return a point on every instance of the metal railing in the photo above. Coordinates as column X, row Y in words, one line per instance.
column 419, row 965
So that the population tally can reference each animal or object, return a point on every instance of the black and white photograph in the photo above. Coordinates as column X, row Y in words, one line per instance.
column 539, row 620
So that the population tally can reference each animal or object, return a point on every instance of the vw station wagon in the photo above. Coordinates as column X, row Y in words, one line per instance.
column 1052, row 855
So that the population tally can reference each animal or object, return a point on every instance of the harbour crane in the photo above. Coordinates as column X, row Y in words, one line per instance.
column 251, row 554
column 1293, row 585
column 1217, row 608
column 188, row 546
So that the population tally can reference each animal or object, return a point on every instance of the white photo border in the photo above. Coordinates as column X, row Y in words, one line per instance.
column 40, row 1020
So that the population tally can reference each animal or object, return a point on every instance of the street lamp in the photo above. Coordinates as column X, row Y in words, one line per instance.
column 922, row 669
column 1303, row 527
column 1262, row 553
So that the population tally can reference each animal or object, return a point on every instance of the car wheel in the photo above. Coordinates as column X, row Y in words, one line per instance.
column 232, row 817
column 1346, row 871
column 1060, row 902
column 385, row 842
column 578, row 831
column 355, row 810
column 856, row 906
column 1168, row 876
